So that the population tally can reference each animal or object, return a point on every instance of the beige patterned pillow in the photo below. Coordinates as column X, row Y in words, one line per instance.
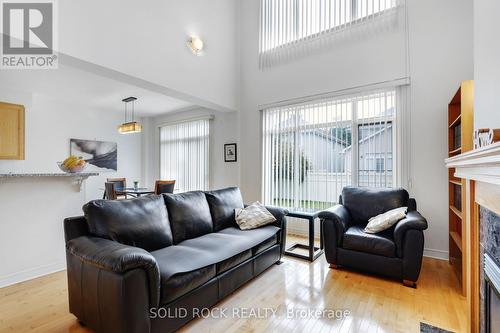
column 385, row 221
column 253, row 216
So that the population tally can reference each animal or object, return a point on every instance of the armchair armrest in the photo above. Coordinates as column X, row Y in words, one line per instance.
column 118, row 258
column 340, row 217
column 413, row 221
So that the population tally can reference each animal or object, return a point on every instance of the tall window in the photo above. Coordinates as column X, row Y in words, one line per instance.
column 184, row 154
column 312, row 150
column 287, row 23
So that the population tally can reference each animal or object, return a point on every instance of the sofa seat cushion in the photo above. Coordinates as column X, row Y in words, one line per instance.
column 226, row 248
column 265, row 244
column 234, row 261
column 380, row 244
column 180, row 284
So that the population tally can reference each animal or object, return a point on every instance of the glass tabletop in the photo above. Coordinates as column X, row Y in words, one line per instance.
column 134, row 190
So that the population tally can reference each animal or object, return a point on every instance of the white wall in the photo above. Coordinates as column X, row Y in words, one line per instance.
column 148, row 40
column 440, row 53
column 223, row 129
column 441, row 57
column 33, row 209
column 486, row 64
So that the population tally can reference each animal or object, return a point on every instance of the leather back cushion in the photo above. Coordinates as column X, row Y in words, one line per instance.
column 189, row 215
column 141, row 222
column 363, row 202
column 222, row 204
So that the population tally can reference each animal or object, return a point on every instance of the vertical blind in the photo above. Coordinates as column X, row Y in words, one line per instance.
column 184, row 154
column 312, row 150
column 286, row 26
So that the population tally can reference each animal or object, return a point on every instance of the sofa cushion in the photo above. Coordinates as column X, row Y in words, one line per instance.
column 265, row 244
column 386, row 220
column 364, row 203
column 180, row 284
column 222, row 204
column 140, row 222
column 253, row 216
column 380, row 244
column 224, row 249
column 210, row 249
column 189, row 215
column 234, row 261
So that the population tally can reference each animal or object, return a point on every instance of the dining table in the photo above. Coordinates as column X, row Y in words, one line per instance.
column 137, row 191
column 133, row 191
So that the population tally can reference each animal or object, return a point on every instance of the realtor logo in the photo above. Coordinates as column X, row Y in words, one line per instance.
column 28, row 31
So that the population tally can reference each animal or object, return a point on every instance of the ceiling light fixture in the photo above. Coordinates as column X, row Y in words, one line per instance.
column 132, row 126
column 195, row 44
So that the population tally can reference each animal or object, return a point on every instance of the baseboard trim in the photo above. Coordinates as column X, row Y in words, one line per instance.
column 31, row 273
column 300, row 227
column 436, row 254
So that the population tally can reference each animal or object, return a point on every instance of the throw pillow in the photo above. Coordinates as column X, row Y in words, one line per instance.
column 253, row 216
column 386, row 220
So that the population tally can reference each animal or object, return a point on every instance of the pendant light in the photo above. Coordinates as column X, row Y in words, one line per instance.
column 132, row 126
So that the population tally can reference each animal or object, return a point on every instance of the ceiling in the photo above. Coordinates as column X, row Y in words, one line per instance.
column 85, row 88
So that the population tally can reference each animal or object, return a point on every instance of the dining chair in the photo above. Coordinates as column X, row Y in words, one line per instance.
column 164, row 186
column 110, row 191
column 120, row 183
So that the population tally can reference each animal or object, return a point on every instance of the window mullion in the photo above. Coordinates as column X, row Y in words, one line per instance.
column 355, row 147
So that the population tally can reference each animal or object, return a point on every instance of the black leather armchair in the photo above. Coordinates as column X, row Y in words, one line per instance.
column 396, row 252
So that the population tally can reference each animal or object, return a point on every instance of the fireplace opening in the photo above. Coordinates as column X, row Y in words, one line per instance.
column 492, row 293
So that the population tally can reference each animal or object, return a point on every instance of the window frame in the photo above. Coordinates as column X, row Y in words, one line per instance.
column 401, row 145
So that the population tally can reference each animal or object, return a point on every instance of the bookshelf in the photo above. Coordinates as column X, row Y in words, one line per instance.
column 460, row 131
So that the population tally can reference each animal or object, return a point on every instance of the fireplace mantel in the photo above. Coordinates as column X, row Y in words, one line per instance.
column 482, row 164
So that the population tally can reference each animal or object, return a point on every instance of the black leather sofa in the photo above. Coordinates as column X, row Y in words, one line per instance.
column 133, row 264
column 396, row 252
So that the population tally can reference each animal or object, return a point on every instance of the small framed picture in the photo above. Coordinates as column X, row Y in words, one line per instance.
column 230, row 152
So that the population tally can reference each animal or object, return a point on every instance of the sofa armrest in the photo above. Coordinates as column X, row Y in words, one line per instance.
column 412, row 205
column 118, row 258
column 334, row 221
column 413, row 221
column 340, row 216
column 75, row 227
column 279, row 214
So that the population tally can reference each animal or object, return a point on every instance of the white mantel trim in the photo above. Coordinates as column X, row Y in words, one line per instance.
column 482, row 164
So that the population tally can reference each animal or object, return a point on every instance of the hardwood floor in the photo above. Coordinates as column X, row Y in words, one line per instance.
column 375, row 304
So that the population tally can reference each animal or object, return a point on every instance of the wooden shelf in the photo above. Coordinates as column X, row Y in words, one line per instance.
column 460, row 127
column 456, row 239
column 455, row 151
column 456, row 211
column 456, row 121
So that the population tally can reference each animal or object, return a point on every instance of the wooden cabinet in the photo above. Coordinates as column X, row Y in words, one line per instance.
column 11, row 131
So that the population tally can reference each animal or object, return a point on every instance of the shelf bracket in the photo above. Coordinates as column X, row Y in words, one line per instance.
column 79, row 182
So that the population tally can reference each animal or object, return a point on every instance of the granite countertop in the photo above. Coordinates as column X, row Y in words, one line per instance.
column 48, row 174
